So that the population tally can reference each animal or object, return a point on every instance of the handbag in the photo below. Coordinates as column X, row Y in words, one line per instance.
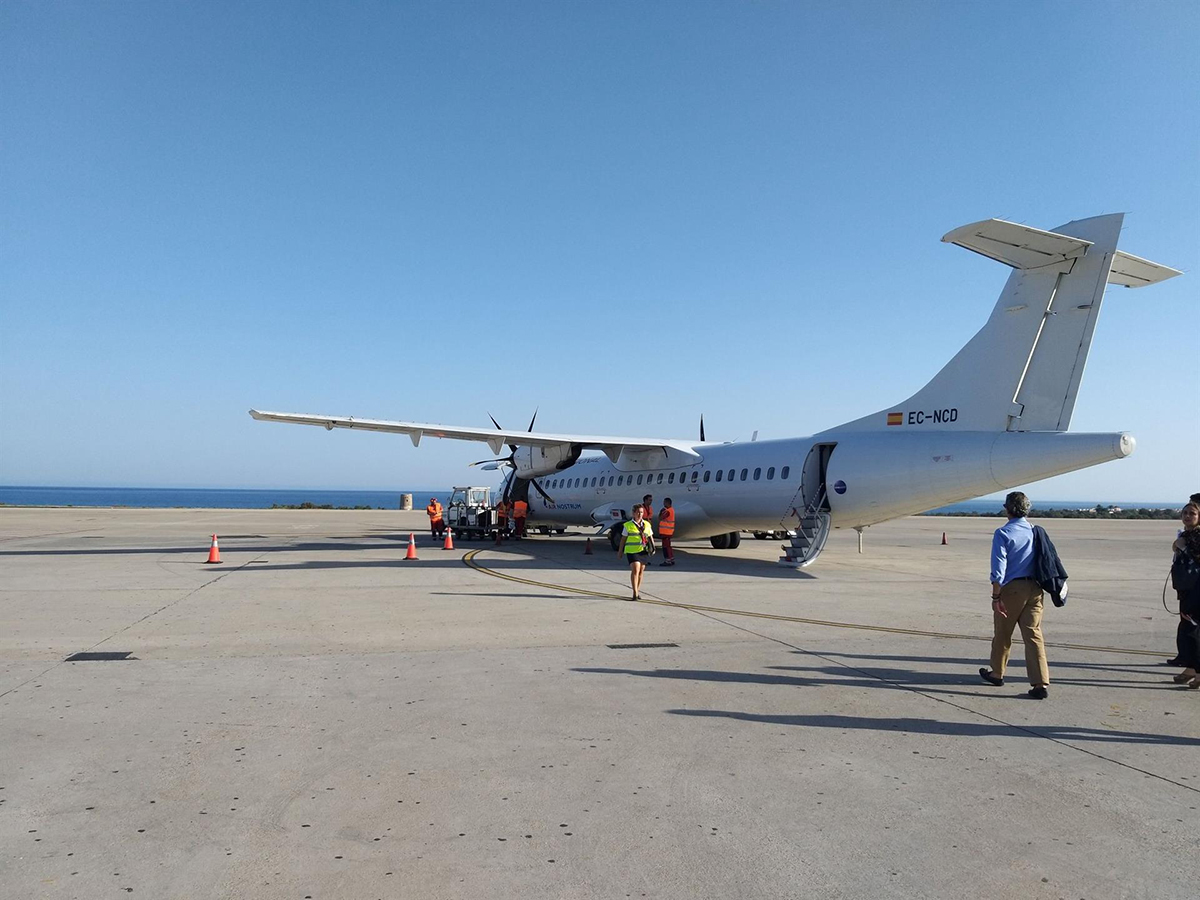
column 1185, row 573
column 647, row 542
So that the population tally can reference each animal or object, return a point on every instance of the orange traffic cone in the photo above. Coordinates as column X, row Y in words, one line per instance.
column 448, row 544
column 214, row 552
column 588, row 550
column 412, row 547
column 944, row 541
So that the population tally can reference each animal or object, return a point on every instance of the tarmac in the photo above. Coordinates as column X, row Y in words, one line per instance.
column 316, row 717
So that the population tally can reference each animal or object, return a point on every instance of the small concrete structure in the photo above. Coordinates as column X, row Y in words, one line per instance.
column 317, row 718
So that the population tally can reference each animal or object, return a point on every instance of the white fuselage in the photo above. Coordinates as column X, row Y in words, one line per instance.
column 867, row 477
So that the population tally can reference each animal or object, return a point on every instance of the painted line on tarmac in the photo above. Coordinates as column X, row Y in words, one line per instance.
column 469, row 559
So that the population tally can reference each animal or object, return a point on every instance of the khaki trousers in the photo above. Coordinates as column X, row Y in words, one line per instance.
column 1022, row 601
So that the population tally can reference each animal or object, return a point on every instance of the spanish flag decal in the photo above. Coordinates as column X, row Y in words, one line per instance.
column 896, row 418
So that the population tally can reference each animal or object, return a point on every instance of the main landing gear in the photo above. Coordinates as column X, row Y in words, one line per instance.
column 730, row 541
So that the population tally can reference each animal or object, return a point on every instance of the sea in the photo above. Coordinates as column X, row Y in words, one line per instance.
column 229, row 498
column 207, row 498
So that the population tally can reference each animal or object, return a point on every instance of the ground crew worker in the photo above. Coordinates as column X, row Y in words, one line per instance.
column 1016, row 599
column 648, row 508
column 666, row 530
column 636, row 544
column 434, row 510
column 520, row 511
column 502, row 518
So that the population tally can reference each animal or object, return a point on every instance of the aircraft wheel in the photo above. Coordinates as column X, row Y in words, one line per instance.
column 719, row 541
column 560, row 531
column 735, row 540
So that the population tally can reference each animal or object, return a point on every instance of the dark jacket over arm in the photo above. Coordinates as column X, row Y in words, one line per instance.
column 1048, row 569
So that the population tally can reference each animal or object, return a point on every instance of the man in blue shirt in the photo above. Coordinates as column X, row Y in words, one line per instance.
column 1016, row 599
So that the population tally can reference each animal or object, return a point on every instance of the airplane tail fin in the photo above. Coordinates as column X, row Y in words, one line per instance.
column 1021, row 371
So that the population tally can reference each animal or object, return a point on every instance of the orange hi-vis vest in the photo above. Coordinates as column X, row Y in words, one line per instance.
column 520, row 509
column 666, row 522
column 435, row 510
column 647, row 512
column 501, row 510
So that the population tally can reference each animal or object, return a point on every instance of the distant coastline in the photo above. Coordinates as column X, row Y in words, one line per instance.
column 1056, row 510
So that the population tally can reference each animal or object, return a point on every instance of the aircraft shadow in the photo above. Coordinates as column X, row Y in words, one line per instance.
column 969, row 661
column 571, row 556
column 956, row 729
column 906, row 677
column 960, row 684
column 931, row 683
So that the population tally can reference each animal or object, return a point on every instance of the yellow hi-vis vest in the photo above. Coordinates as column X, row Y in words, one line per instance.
column 633, row 537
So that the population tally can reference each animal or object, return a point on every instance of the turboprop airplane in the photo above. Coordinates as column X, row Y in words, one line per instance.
column 996, row 416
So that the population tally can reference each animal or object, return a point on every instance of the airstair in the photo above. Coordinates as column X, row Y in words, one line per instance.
column 811, row 534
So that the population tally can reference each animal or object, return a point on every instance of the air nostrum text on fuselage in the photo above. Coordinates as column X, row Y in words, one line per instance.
column 996, row 416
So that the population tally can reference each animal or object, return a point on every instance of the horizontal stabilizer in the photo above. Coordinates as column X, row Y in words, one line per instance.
column 1016, row 245
column 1132, row 271
column 1023, row 247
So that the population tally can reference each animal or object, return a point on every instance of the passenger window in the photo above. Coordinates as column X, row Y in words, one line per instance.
column 594, row 481
column 720, row 472
column 671, row 478
column 610, row 481
column 707, row 475
column 695, row 477
column 771, row 473
column 620, row 480
column 730, row 475
column 783, row 473
column 757, row 474
column 658, row 480
column 639, row 479
column 744, row 473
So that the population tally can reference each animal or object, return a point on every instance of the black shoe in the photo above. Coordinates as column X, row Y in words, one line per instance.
column 986, row 675
column 1038, row 693
column 1174, row 662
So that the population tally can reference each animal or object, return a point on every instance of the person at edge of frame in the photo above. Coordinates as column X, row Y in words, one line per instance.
column 1184, row 630
column 1185, row 578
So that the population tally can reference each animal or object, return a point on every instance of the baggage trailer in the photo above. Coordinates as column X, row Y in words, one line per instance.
column 470, row 514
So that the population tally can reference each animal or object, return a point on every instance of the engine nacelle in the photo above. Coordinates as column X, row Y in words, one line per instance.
column 533, row 462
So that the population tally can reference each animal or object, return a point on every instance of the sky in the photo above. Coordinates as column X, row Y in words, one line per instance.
column 623, row 215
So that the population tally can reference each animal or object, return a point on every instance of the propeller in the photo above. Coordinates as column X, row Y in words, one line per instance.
column 701, row 428
column 511, row 462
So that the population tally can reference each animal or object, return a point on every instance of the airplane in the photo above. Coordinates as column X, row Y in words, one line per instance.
column 996, row 416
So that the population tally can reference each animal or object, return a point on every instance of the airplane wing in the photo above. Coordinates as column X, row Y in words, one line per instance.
column 494, row 438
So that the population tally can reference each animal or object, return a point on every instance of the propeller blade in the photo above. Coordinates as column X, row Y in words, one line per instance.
column 534, row 419
column 512, row 447
column 480, row 462
column 701, row 428
column 537, row 487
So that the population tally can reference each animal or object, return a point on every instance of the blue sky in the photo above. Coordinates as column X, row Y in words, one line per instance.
column 624, row 214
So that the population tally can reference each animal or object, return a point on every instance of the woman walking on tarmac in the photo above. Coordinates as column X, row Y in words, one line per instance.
column 1185, row 578
column 636, row 543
